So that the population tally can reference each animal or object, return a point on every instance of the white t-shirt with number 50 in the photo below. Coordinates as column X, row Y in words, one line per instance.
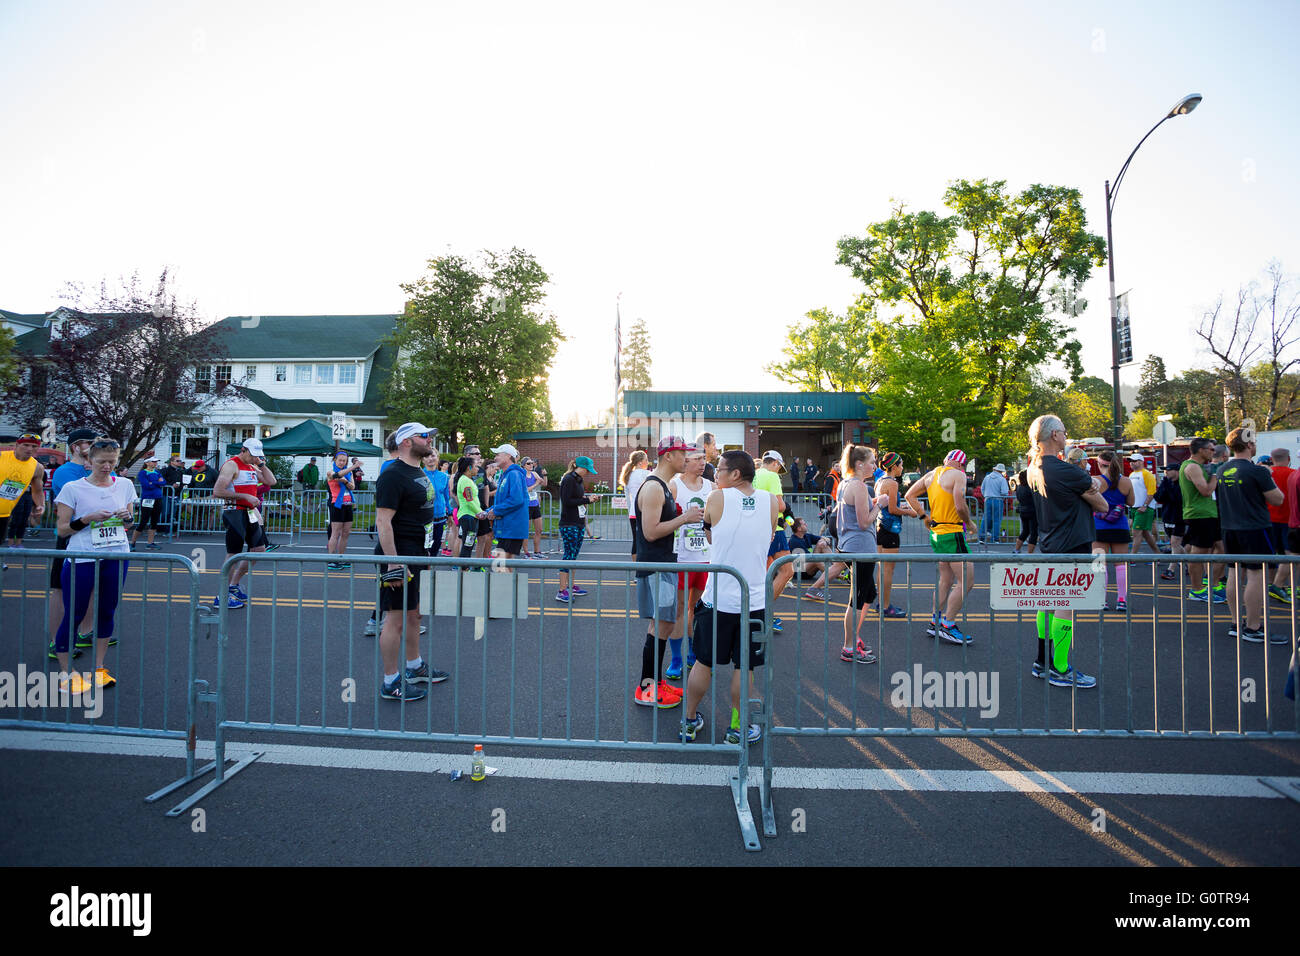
column 102, row 537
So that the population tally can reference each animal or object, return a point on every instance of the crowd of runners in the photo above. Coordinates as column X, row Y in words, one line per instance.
column 690, row 506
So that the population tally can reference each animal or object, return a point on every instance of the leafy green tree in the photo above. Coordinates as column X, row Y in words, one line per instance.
column 121, row 361
column 1085, row 412
column 929, row 406
column 995, row 284
column 1141, row 423
column 636, row 359
column 828, row 352
column 475, row 347
column 1195, row 399
column 1153, row 386
column 9, row 367
column 998, row 279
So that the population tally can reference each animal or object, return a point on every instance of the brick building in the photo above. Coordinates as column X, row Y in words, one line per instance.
column 800, row 425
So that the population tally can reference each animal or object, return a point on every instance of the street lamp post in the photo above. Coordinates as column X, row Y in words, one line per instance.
column 1181, row 108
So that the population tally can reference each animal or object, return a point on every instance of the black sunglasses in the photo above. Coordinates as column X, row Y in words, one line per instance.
column 104, row 443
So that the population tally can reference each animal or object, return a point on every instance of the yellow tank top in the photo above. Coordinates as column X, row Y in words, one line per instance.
column 943, row 511
column 15, row 476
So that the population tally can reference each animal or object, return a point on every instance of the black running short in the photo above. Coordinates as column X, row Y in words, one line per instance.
column 1114, row 536
column 887, row 539
column 241, row 532
column 1293, row 540
column 1277, row 538
column 534, row 512
column 340, row 514
column 1202, row 533
column 511, row 546
column 408, row 596
column 728, row 637
column 1254, row 541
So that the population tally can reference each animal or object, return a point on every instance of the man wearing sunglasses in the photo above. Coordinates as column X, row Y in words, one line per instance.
column 237, row 483
column 19, row 471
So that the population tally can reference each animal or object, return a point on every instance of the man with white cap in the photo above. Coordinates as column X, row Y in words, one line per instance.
column 404, row 520
column 994, row 489
column 1143, row 511
column 509, row 511
column 767, row 478
column 237, row 484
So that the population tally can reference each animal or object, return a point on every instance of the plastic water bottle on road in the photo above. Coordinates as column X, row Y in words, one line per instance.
column 478, row 769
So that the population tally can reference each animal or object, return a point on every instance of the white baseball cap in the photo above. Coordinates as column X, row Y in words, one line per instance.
column 509, row 449
column 411, row 428
column 254, row 445
column 1136, row 456
column 774, row 456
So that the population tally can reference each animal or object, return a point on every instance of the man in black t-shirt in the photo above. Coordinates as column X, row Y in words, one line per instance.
column 1244, row 492
column 1065, row 497
column 404, row 508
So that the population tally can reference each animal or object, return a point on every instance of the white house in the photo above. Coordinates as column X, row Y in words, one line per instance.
column 283, row 369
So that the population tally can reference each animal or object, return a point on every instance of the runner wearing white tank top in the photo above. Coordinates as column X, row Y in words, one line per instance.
column 739, row 519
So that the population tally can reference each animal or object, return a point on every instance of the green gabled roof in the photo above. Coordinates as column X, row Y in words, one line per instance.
column 35, row 342
column 304, row 336
column 284, row 406
column 23, row 318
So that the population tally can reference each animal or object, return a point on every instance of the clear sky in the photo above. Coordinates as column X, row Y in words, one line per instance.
column 699, row 158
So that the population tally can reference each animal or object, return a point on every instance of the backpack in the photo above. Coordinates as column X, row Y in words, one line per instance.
column 298, row 477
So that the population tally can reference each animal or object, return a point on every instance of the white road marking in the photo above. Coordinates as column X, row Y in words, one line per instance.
column 680, row 774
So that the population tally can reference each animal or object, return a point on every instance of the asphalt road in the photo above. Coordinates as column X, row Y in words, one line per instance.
column 297, row 656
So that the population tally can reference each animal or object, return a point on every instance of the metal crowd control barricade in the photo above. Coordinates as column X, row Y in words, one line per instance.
column 299, row 661
column 607, row 517
column 809, row 506
column 1166, row 666
column 199, row 512
column 154, row 660
column 312, row 513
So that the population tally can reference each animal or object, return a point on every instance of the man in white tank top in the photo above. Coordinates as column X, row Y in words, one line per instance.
column 739, row 521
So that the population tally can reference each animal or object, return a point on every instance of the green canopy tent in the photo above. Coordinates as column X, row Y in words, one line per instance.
column 310, row 438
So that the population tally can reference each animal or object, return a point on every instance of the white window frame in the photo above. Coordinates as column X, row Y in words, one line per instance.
column 299, row 378
column 250, row 373
column 368, row 435
column 282, row 373
column 347, row 374
column 324, row 374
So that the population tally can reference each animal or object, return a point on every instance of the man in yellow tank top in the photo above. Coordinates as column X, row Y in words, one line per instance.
column 18, row 469
column 948, row 519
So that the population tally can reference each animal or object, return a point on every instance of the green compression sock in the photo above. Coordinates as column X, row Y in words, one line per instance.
column 1062, row 638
